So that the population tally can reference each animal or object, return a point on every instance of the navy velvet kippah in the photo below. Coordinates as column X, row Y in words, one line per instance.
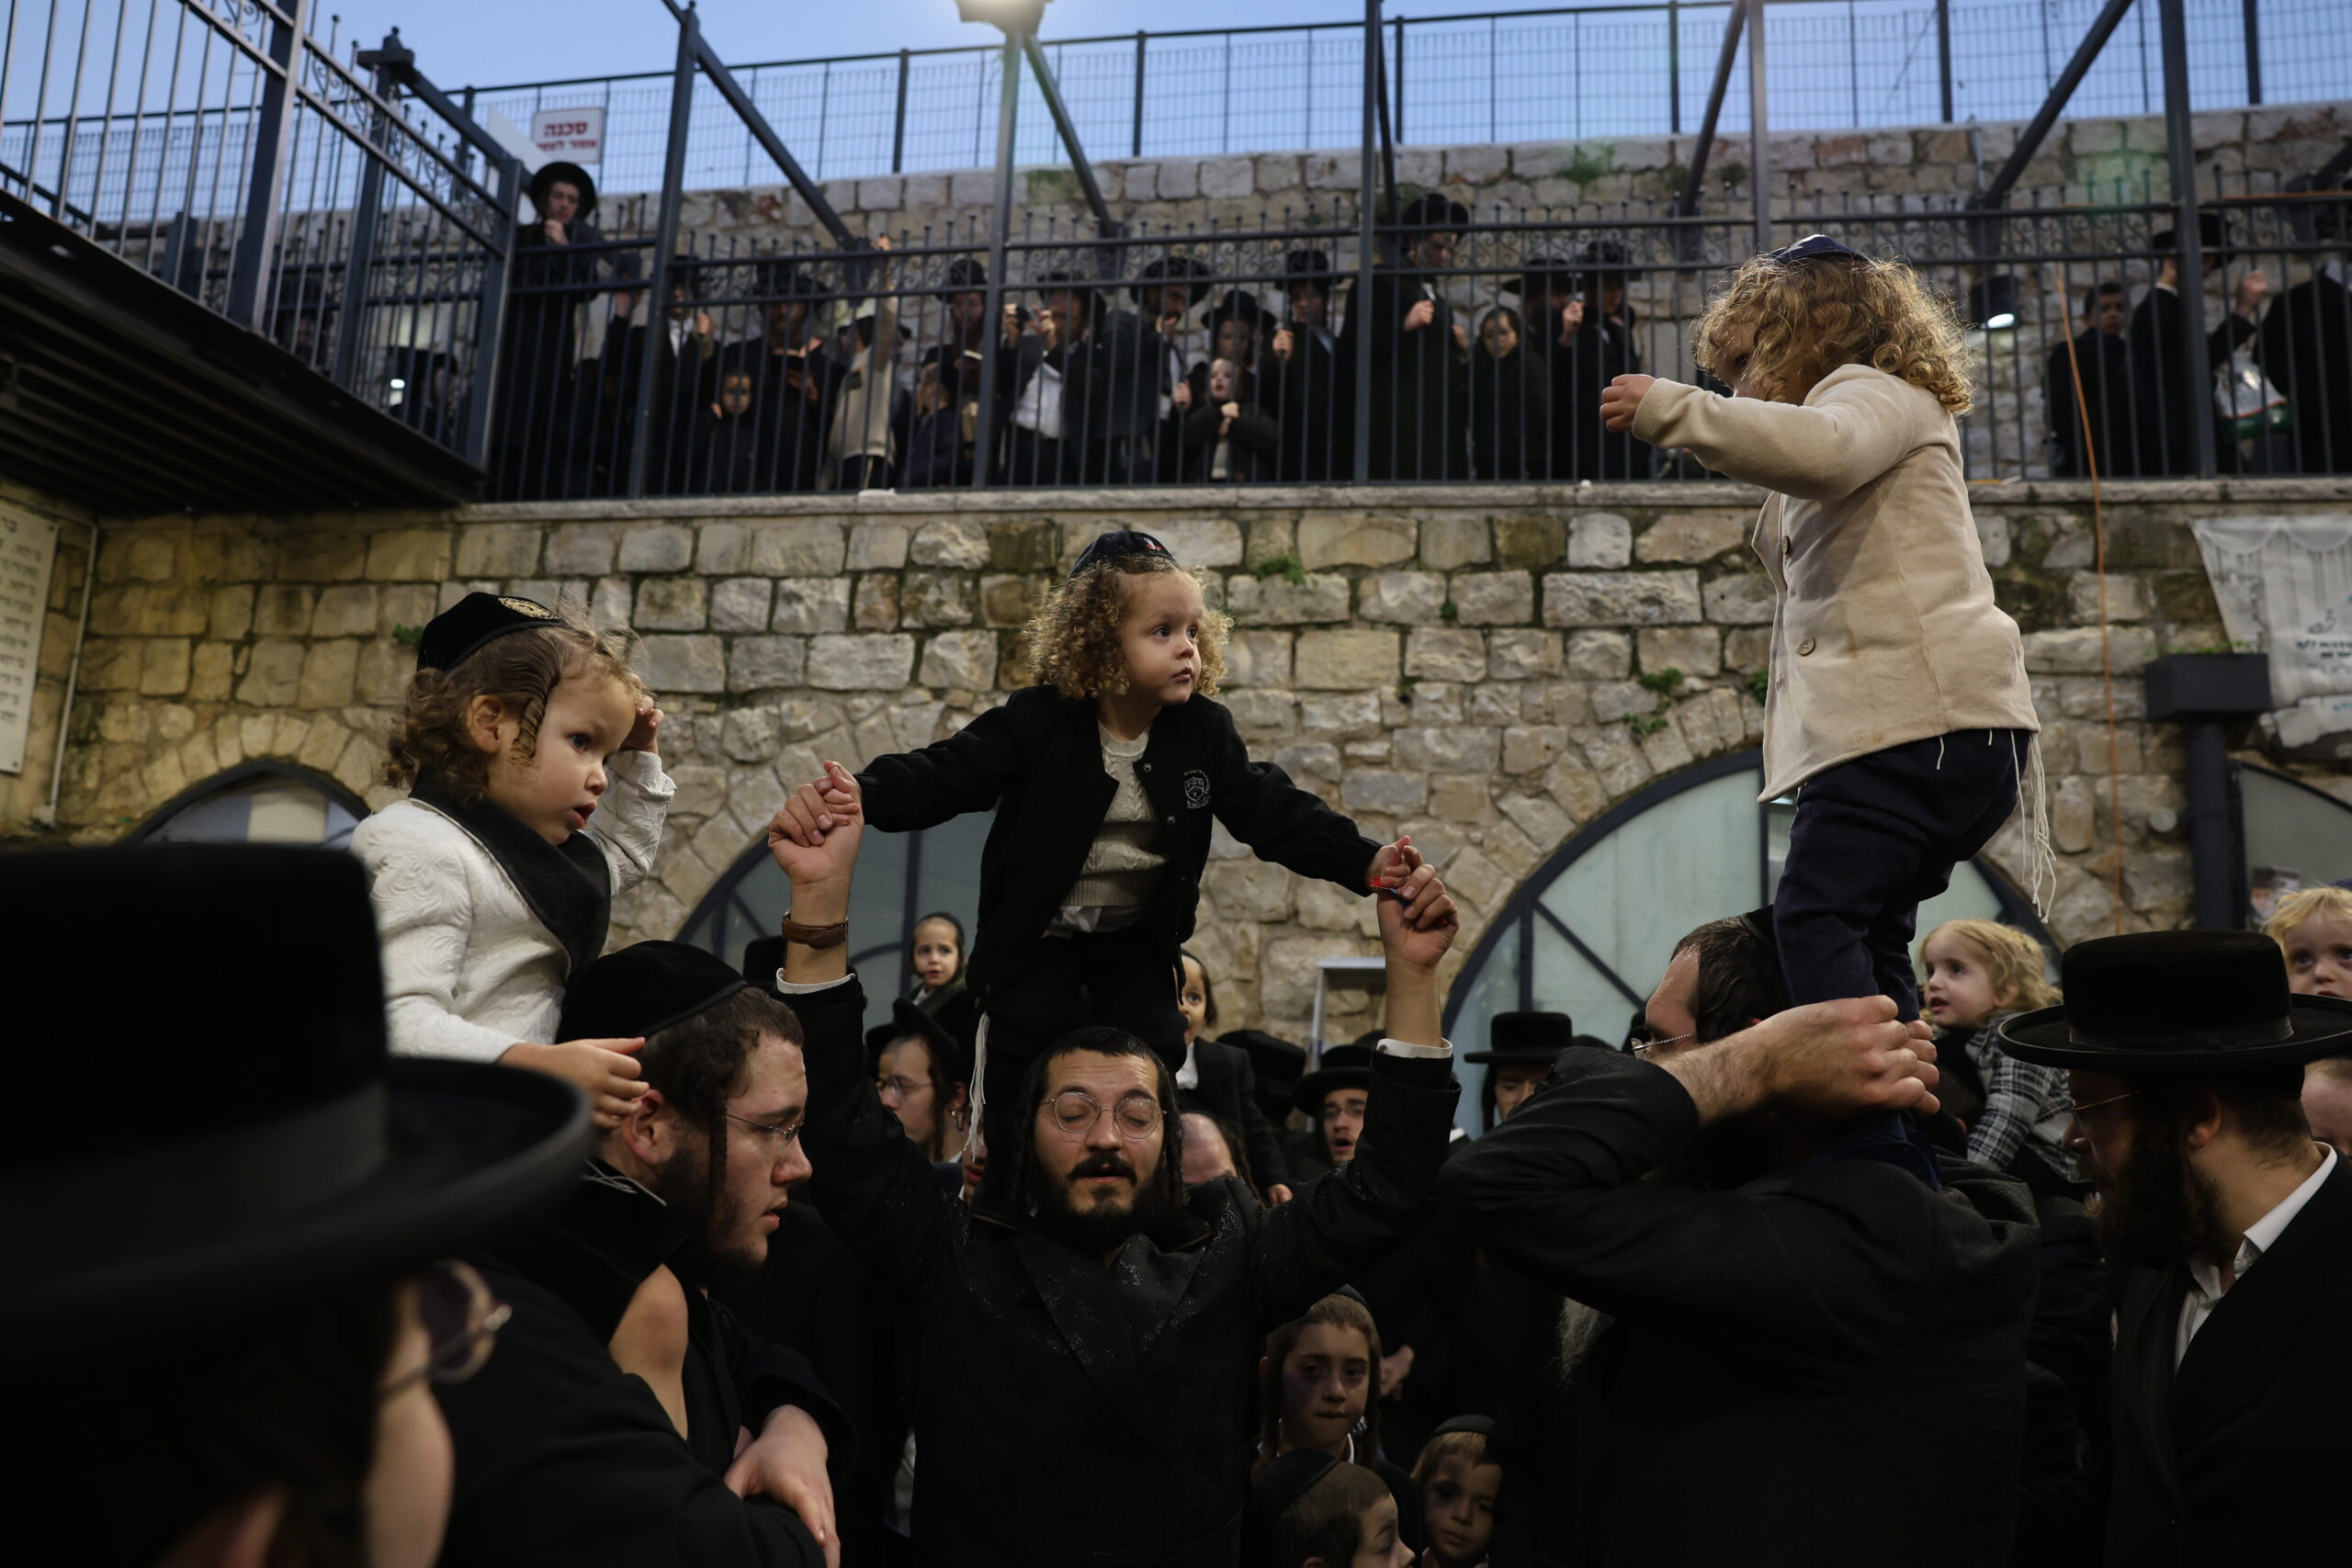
column 643, row 991
column 458, row 632
column 1117, row 544
column 1815, row 247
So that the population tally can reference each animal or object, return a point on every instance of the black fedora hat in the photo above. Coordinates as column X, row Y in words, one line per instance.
column 570, row 173
column 1238, row 305
column 1186, row 270
column 1433, row 210
column 1311, row 268
column 909, row 1021
column 965, row 274
column 1525, row 1039
column 309, row 1167
column 1343, row 1066
column 1607, row 260
column 2179, row 1002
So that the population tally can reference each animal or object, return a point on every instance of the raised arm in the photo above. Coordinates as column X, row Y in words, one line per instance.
column 1285, row 824
column 1559, row 1191
column 1340, row 1224
column 873, row 1185
column 970, row 771
column 1854, row 431
column 628, row 822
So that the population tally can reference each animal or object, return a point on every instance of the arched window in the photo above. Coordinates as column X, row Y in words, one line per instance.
column 2290, row 836
column 900, row 878
column 261, row 802
column 1589, row 932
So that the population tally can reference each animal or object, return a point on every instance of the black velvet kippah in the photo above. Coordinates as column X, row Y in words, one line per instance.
column 458, row 632
column 1283, row 1483
column 1117, row 544
column 1815, row 247
column 643, row 991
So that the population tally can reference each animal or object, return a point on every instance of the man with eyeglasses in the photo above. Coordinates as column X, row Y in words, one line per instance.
column 632, row 1419
column 2185, row 1054
column 1083, row 1371
column 1781, row 1350
column 257, row 1276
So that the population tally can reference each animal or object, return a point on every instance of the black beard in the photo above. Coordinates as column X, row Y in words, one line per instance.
column 1103, row 1227
column 2159, row 1211
column 708, row 1215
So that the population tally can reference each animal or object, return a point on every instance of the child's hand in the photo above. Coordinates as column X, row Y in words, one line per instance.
column 1621, row 399
column 1392, row 874
column 641, row 737
column 605, row 1070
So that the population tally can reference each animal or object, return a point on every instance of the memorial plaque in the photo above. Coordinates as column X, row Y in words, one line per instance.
column 28, row 551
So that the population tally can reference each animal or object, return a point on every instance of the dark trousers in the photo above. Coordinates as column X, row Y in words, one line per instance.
column 865, row 473
column 1126, row 979
column 1872, row 839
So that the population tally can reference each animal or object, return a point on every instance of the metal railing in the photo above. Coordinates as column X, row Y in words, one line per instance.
column 217, row 146
column 775, row 370
column 1611, row 69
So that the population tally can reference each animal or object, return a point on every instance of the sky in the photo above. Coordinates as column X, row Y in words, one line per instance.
column 494, row 42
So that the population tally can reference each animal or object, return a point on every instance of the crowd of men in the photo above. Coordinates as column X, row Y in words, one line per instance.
column 787, row 374
column 760, row 1326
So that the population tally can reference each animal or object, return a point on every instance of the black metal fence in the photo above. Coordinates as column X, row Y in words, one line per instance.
column 218, row 146
column 1613, row 70
column 1228, row 357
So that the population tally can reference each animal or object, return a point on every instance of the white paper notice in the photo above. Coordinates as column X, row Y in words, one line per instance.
column 28, row 551
column 2284, row 585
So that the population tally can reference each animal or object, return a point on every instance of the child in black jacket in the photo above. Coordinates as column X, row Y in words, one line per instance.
column 1105, row 779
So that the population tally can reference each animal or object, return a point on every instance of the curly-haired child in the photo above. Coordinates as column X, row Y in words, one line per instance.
column 1979, row 973
column 534, row 795
column 1105, row 777
column 1897, row 695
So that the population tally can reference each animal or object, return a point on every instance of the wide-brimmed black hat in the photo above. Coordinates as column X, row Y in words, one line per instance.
column 1186, row 270
column 1542, row 274
column 1433, row 210
column 1307, row 266
column 459, row 631
column 1525, row 1039
column 963, row 276
column 309, row 1166
column 1606, row 258
column 1117, row 544
column 570, row 173
column 1238, row 305
column 1343, row 1066
column 643, row 990
column 2213, row 238
column 909, row 1021
column 780, row 278
column 2179, row 1002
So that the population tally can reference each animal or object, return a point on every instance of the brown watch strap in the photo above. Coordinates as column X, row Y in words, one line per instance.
column 817, row 937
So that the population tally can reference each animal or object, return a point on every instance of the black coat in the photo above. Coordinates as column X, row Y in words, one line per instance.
column 1038, row 760
column 1313, row 403
column 2307, row 354
column 1420, row 403
column 2238, row 1456
column 2169, row 404
column 1067, row 1413
column 2110, row 394
column 562, row 1459
column 1250, row 444
column 1776, row 1345
column 1510, row 414
column 1228, row 1091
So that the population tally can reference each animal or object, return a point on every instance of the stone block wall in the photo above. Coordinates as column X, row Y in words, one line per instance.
column 1485, row 671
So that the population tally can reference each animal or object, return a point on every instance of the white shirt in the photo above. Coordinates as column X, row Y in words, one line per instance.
column 1040, row 407
column 2205, row 1287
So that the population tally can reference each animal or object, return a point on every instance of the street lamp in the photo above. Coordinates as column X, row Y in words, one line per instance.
column 1993, row 302
column 1020, row 20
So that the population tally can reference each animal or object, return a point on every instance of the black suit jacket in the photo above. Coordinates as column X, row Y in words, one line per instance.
column 1776, row 1345
column 2238, row 1456
column 2307, row 352
column 2169, row 404
column 1228, row 1090
column 565, row 1460
column 1038, row 760
column 1421, row 391
column 1068, row 1412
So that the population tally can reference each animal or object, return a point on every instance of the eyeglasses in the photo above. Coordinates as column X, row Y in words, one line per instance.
column 783, row 1138
column 899, row 1088
column 1641, row 1043
column 1077, row 1113
column 461, row 1319
column 2075, row 1107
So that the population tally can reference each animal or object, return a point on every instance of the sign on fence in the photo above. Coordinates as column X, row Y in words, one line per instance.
column 576, row 134
column 2284, row 585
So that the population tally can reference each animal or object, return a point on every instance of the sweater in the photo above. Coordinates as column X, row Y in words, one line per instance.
column 468, row 970
column 1885, row 630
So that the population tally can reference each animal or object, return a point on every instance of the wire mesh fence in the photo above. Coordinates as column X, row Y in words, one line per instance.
column 1474, row 350
column 1601, row 71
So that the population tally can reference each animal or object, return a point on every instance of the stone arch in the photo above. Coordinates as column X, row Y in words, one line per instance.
column 261, row 800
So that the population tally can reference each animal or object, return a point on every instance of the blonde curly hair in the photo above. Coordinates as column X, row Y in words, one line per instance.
column 1810, row 318
column 1073, row 639
column 522, row 669
column 2015, row 964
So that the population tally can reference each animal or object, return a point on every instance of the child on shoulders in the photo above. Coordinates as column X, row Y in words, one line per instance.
column 536, row 794
column 1978, row 974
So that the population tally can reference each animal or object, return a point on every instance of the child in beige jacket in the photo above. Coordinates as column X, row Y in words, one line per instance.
column 1897, row 695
